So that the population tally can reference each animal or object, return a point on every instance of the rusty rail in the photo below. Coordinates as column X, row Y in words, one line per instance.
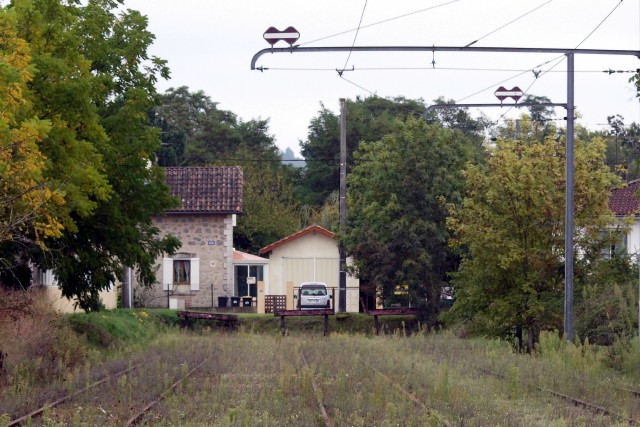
column 139, row 416
column 41, row 410
column 574, row 400
column 405, row 392
column 323, row 410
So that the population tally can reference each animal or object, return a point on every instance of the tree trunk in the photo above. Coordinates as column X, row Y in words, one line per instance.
column 519, row 338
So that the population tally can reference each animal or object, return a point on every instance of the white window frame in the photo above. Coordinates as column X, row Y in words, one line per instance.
column 168, row 272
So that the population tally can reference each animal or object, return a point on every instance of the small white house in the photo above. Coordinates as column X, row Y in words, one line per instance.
column 310, row 255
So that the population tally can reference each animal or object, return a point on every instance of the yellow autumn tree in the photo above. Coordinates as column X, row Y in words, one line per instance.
column 28, row 205
column 510, row 230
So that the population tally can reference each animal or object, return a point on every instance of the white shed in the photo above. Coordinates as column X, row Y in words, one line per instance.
column 310, row 255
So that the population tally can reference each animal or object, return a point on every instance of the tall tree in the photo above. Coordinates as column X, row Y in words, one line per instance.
column 196, row 133
column 30, row 205
column 399, row 190
column 94, row 82
column 511, row 230
column 194, row 130
column 269, row 209
column 368, row 119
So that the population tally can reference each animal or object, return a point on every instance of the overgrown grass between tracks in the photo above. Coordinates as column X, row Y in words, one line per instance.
column 257, row 377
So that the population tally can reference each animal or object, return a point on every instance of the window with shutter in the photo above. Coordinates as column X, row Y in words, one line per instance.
column 181, row 271
column 167, row 273
column 195, row 274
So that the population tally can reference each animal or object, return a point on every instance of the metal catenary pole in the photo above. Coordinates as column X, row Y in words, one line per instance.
column 570, row 53
column 568, row 216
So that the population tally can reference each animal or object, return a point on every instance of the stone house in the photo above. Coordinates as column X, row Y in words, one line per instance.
column 202, row 269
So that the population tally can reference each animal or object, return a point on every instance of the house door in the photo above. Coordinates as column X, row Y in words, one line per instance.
column 246, row 280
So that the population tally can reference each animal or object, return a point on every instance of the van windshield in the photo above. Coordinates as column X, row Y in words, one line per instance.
column 314, row 290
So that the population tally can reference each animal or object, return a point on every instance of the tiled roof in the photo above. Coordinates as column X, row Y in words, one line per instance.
column 211, row 189
column 310, row 229
column 241, row 257
column 625, row 201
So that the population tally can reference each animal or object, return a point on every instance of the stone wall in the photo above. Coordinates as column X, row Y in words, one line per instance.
column 210, row 238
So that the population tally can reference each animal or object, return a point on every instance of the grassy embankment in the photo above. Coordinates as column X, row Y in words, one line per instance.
column 257, row 377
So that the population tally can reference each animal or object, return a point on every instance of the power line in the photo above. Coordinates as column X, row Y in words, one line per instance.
column 358, row 86
column 601, row 22
column 381, row 22
column 508, row 23
column 526, row 91
column 561, row 58
column 539, row 73
column 354, row 39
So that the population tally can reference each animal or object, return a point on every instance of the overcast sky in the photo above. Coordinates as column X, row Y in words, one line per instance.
column 209, row 45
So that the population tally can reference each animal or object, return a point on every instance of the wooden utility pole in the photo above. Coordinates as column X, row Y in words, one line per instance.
column 342, row 287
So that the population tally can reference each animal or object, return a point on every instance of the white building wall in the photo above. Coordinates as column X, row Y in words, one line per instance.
column 310, row 255
column 633, row 238
column 306, row 246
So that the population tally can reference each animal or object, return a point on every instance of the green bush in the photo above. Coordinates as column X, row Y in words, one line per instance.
column 607, row 304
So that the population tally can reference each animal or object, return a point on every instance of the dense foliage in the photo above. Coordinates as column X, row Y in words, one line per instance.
column 399, row 191
column 511, row 230
column 29, row 204
column 368, row 119
column 90, row 85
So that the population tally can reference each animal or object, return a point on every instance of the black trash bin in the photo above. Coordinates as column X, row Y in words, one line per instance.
column 223, row 301
column 246, row 301
column 235, row 301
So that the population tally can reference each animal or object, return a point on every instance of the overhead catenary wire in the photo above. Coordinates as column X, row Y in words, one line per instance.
column 508, row 23
column 561, row 58
column 503, row 81
column 598, row 26
column 358, row 86
column 381, row 22
column 354, row 39
column 539, row 74
column 490, row 123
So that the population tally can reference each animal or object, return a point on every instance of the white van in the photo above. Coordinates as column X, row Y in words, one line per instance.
column 314, row 295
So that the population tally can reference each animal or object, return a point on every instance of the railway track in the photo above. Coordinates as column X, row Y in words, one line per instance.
column 139, row 416
column 571, row 399
column 323, row 409
column 319, row 376
column 406, row 393
column 133, row 420
column 42, row 409
column 574, row 400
